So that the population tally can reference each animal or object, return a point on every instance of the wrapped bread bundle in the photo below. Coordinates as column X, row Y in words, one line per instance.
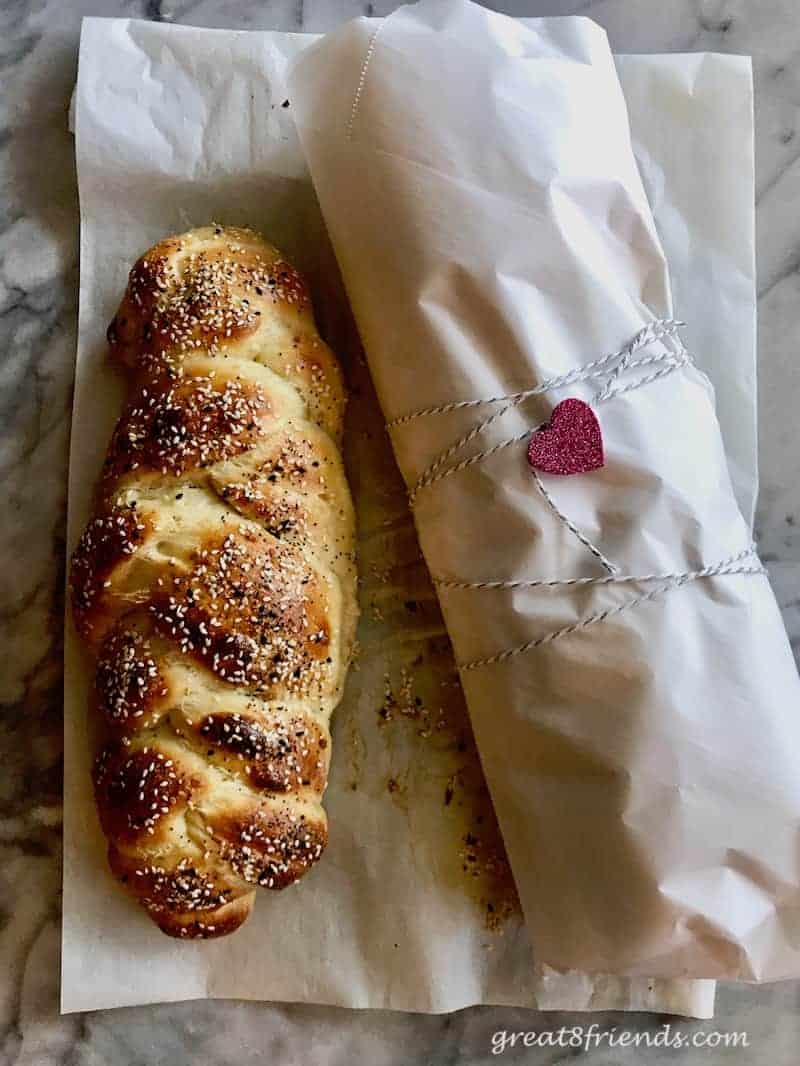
column 630, row 684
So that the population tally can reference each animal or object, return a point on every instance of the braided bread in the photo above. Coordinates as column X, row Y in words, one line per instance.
column 215, row 587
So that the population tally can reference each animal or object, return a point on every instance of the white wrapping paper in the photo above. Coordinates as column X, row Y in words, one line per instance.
column 158, row 150
column 479, row 186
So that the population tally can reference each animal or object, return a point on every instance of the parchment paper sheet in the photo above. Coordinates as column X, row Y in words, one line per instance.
column 640, row 738
column 389, row 918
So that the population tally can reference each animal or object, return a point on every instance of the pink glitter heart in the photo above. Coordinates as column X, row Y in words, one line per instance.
column 570, row 443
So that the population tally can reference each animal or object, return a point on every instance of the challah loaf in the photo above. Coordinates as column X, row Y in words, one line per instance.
column 215, row 587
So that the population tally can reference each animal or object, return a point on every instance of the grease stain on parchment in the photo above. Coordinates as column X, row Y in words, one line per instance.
column 404, row 723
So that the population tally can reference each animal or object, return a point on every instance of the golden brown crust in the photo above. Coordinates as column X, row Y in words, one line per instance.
column 207, row 925
column 180, row 421
column 268, row 846
column 216, row 584
column 108, row 541
column 254, row 612
column 289, row 486
column 131, row 691
column 137, row 790
column 186, row 900
column 277, row 755
column 188, row 294
column 225, row 293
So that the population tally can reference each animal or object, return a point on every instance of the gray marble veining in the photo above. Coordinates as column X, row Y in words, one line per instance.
column 38, row 270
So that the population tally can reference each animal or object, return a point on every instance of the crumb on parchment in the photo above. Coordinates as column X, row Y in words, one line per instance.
column 480, row 851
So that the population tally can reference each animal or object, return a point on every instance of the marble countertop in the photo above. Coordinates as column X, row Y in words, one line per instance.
column 38, row 276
